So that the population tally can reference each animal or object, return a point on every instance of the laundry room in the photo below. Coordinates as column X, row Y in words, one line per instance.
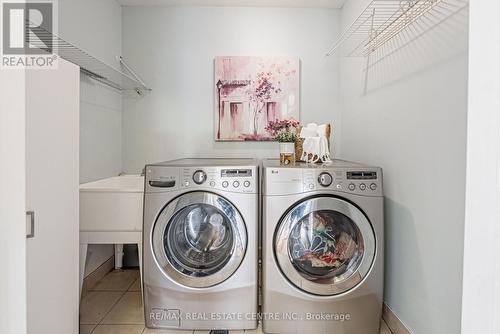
column 250, row 166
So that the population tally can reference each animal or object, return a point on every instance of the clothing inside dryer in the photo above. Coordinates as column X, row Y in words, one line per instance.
column 325, row 244
column 199, row 241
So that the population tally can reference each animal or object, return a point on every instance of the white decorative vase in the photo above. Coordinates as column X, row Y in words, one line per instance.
column 287, row 153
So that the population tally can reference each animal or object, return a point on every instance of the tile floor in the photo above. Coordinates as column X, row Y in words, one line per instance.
column 114, row 306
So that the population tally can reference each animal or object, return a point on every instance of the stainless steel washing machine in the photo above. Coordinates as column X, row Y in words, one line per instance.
column 200, row 244
column 323, row 248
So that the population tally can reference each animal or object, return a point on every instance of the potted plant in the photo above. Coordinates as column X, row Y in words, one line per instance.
column 285, row 133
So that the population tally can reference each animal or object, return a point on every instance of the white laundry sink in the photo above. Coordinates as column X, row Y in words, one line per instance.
column 112, row 204
column 111, row 213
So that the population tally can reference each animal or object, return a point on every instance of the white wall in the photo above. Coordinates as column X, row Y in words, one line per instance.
column 411, row 120
column 95, row 27
column 13, row 201
column 481, row 288
column 173, row 49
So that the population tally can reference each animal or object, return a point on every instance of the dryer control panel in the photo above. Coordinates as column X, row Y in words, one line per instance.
column 361, row 182
column 233, row 179
column 292, row 180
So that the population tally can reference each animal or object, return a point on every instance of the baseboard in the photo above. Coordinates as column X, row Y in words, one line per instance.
column 91, row 280
column 393, row 322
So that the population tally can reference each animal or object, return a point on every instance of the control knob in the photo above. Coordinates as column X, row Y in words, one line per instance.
column 199, row 177
column 325, row 179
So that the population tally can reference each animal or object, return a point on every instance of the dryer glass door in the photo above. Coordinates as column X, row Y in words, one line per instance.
column 325, row 246
column 199, row 239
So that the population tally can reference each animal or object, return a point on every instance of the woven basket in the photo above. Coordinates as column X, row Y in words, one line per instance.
column 300, row 143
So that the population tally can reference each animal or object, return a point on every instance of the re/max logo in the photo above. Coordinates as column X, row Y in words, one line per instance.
column 164, row 315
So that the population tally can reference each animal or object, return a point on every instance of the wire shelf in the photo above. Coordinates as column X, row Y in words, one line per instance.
column 122, row 80
column 382, row 20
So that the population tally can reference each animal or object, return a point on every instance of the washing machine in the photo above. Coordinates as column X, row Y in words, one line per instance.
column 323, row 248
column 200, row 244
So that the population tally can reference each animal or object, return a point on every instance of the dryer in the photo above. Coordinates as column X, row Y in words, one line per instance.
column 323, row 248
column 200, row 244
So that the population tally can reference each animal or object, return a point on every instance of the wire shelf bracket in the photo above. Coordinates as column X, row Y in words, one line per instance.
column 382, row 20
column 121, row 80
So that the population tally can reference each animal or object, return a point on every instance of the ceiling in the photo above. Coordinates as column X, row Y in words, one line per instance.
column 238, row 3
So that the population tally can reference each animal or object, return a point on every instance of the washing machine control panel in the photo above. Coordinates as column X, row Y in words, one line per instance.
column 232, row 179
column 238, row 179
column 229, row 179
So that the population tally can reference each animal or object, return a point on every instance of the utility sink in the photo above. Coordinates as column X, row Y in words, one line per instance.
column 112, row 204
column 111, row 213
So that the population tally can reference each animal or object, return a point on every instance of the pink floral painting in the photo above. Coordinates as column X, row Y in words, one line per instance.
column 250, row 92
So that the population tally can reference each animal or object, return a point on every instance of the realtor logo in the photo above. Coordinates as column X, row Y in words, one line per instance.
column 27, row 34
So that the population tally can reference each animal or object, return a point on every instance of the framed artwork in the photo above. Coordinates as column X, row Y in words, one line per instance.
column 252, row 91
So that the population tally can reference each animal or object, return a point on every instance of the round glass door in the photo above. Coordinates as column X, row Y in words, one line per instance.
column 325, row 246
column 199, row 239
